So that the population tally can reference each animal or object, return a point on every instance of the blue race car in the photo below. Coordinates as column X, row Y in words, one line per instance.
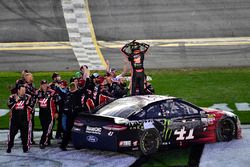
column 148, row 122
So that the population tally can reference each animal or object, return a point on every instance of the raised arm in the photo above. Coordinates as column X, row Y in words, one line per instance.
column 12, row 101
column 123, row 50
column 146, row 46
column 130, row 46
column 125, row 69
column 108, row 66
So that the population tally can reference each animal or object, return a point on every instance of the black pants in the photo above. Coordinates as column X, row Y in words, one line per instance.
column 68, row 122
column 23, row 126
column 59, row 123
column 47, row 125
column 33, row 124
column 137, row 82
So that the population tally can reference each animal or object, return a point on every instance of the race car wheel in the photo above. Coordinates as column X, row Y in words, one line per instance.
column 150, row 141
column 226, row 130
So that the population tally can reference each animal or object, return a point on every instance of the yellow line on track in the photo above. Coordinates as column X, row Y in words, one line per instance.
column 182, row 42
column 34, row 46
column 15, row 46
column 35, row 43
column 206, row 44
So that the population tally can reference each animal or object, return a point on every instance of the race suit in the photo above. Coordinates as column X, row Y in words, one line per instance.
column 20, row 119
column 31, row 90
column 137, row 66
column 47, row 111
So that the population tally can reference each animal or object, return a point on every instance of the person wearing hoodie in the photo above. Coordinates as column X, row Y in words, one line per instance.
column 69, row 113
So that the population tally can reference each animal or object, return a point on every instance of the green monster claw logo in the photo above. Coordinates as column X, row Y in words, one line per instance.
column 166, row 132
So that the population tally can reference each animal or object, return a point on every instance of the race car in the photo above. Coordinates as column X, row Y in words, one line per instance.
column 149, row 122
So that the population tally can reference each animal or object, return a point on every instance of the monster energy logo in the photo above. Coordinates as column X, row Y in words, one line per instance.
column 166, row 132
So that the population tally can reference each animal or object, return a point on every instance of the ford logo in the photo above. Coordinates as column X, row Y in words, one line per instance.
column 92, row 139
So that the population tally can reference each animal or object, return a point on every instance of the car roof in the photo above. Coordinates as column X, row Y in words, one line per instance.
column 145, row 99
column 124, row 107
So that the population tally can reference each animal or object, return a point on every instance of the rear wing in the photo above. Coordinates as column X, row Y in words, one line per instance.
column 116, row 120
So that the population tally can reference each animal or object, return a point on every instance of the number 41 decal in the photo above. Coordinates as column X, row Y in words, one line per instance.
column 182, row 134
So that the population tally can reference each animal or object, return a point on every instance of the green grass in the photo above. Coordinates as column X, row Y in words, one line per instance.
column 203, row 87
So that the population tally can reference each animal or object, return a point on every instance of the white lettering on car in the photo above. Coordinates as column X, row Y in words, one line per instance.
column 181, row 134
column 93, row 130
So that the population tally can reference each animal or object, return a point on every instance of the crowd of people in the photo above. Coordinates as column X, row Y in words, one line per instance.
column 61, row 101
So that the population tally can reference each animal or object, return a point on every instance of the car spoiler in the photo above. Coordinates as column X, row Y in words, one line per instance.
column 117, row 120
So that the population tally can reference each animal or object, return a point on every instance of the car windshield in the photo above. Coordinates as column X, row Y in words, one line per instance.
column 120, row 108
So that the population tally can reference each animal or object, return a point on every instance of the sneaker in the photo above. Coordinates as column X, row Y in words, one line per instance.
column 25, row 150
column 63, row 148
column 42, row 146
column 33, row 142
column 58, row 137
column 8, row 150
column 48, row 142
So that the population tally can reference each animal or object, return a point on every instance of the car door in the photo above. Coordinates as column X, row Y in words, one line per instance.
column 153, row 117
column 182, row 121
column 186, row 121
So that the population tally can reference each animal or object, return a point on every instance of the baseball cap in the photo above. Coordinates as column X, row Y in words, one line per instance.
column 64, row 83
column 81, row 68
column 78, row 74
column 54, row 75
column 43, row 82
column 95, row 75
column 112, row 70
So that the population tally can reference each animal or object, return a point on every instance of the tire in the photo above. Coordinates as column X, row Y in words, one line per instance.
column 150, row 141
column 226, row 130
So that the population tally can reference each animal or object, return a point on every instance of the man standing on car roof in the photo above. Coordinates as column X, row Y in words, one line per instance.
column 47, row 111
column 20, row 118
column 135, row 53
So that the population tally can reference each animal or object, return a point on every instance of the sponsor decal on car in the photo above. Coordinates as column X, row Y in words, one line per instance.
column 76, row 129
column 135, row 143
column 148, row 124
column 211, row 119
column 125, row 144
column 166, row 132
column 136, row 148
column 166, row 143
column 134, row 125
column 94, row 130
column 92, row 139
column 110, row 133
column 184, row 134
